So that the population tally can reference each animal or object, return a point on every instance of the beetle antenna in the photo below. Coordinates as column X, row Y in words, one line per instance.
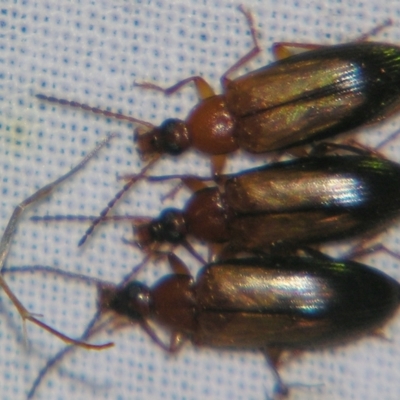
column 387, row 140
column 138, row 268
column 86, row 218
column 30, row 317
column 59, row 356
column 193, row 252
column 55, row 271
column 67, row 339
column 116, row 198
column 94, row 110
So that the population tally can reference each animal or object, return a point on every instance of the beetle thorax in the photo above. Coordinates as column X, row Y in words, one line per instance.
column 210, row 125
column 207, row 215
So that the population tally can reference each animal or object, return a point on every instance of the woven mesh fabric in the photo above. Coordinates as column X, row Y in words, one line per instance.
column 93, row 52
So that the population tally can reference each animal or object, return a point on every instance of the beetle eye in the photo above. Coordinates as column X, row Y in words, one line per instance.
column 172, row 225
column 174, row 137
column 135, row 290
column 153, row 142
column 133, row 301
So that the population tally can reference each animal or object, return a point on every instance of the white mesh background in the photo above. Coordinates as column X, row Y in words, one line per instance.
column 93, row 52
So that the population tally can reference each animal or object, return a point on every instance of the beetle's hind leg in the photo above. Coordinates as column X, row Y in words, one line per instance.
column 254, row 51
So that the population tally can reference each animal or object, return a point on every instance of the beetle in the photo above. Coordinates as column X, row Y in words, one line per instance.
column 8, row 236
column 272, row 303
column 301, row 98
column 287, row 204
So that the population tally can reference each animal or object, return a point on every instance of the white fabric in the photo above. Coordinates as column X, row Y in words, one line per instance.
column 93, row 52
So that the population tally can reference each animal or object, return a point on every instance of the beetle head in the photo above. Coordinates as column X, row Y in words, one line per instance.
column 171, row 137
column 170, row 227
column 131, row 300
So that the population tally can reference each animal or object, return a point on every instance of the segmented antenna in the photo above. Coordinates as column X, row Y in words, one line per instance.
column 112, row 203
column 94, row 110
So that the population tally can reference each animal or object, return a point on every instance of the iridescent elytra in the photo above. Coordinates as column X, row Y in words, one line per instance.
column 270, row 303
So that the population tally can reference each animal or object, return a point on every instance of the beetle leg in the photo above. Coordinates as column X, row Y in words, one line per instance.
column 296, row 152
column 354, row 146
column 186, row 245
column 190, row 183
column 282, row 50
column 374, row 31
column 215, row 252
column 310, row 252
column 193, row 183
column 132, row 275
column 47, row 368
column 204, row 90
column 380, row 334
column 54, row 271
column 221, row 252
column 350, row 145
column 54, row 361
column 248, row 56
column 173, row 192
column 361, row 251
column 176, row 341
column 384, row 142
column 218, row 164
column 177, row 265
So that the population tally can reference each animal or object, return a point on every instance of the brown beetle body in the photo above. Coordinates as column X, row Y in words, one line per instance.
column 306, row 97
column 303, row 201
column 212, row 127
column 271, row 303
column 288, row 302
